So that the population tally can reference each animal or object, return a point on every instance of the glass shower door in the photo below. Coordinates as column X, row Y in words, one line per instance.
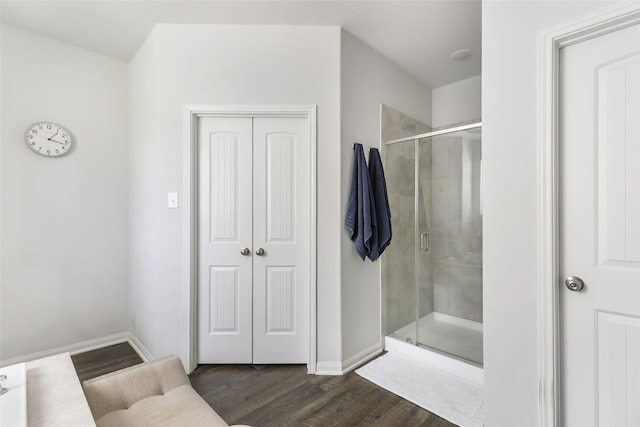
column 423, row 236
column 449, row 244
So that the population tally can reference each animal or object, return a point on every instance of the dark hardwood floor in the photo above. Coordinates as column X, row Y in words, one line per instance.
column 104, row 360
column 279, row 395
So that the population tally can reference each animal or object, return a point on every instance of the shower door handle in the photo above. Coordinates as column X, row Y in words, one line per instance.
column 424, row 241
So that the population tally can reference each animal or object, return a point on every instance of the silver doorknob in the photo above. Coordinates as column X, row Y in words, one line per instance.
column 245, row 251
column 259, row 251
column 574, row 283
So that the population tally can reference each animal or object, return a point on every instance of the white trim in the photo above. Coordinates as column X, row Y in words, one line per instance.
column 189, row 230
column 139, row 348
column 189, row 219
column 550, row 41
column 328, row 368
column 361, row 357
column 341, row 368
column 79, row 347
column 311, row 364
column 548, row 389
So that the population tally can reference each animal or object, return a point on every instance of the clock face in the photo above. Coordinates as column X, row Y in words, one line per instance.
column 48, row 139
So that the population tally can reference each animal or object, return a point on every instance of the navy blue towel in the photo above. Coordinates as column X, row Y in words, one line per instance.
column 382, row 230
column 359, row 219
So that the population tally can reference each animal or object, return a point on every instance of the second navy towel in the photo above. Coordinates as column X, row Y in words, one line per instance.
column 382, row 231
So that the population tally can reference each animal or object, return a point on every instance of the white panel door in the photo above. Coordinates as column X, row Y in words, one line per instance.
column 254, row 180
column 600, row 230
column 281, row 230
column 224, row 229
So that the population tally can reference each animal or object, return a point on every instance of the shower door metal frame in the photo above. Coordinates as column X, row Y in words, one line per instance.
column 436, row 133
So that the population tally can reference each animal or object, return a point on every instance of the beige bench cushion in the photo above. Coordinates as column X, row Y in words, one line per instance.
column 180, row 407
column 156, row 393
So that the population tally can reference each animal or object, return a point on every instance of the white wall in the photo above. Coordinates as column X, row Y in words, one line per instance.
column 367, row 80
column 509, row 31
column 457, row 102
column 206, row 64
column 64, row 220
column 144, row 205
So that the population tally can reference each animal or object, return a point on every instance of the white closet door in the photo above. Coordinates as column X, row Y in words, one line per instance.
column 281, row 229
column 254, row 177
column 224, row 221
column 600, row 230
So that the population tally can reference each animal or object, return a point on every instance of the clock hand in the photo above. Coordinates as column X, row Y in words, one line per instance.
column 53, row 140
column 58, row 142
column 57, row 132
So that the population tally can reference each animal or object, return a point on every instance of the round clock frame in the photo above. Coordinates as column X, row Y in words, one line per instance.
column 48, row 139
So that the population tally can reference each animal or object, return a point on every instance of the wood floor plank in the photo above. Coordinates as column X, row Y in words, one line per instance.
column 403, row 413
column 436, row 421
column 277, row 413
column 365, row 404
column 102, row 361
column 265, row 390
column 328, row 405
column 329, row 382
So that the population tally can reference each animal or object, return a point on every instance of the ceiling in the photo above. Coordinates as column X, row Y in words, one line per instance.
column 417, row 35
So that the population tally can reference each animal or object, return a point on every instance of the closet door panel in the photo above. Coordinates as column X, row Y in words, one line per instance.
column 224, row 228
column 281, row 229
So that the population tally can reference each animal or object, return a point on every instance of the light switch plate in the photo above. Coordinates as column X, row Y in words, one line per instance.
column 172, row 200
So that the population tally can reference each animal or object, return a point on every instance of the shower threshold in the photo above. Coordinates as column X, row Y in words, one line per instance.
column 460, row 338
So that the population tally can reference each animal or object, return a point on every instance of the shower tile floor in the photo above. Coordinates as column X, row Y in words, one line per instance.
column 453, row 335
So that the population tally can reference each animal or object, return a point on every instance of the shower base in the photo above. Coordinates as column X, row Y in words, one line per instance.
column 449, row 334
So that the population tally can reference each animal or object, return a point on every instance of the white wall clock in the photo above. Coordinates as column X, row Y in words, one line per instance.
column 48, row 139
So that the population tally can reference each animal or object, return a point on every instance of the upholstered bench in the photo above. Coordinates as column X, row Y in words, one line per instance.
column 156, row 393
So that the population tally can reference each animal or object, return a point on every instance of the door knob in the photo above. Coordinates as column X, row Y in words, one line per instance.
column 259, row 251
column 574, row 283
column 245, row 251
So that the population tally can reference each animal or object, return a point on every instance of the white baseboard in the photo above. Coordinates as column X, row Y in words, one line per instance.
column 341, row 368
column 328, row 368
column 139, row 348
column 84, row 346
column 361, row 357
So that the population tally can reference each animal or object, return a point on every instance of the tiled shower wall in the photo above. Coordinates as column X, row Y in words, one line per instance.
column 398, row 266
column 398, row 271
